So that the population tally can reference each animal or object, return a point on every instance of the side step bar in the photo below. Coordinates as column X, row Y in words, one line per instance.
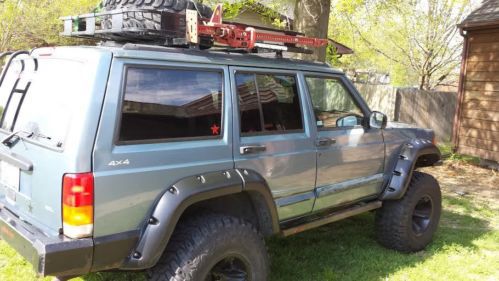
column 335, row 216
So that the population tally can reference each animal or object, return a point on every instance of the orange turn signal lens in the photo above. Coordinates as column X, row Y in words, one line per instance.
column 78, row 215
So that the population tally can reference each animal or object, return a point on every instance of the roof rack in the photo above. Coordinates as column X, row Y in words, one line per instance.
column 168, row 28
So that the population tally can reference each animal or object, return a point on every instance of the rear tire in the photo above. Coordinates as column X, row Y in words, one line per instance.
column 213, row 245
column 408, row 224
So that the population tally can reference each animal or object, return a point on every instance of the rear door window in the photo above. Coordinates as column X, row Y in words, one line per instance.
column 171, row 104
column 268, row 103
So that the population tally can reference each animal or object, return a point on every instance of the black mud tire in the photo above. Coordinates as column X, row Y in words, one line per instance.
column 177, row 6
column 142, row 20
column 407, row 225
column 199, row 244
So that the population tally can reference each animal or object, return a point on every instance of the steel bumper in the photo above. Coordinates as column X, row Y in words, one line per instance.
column 57, row 256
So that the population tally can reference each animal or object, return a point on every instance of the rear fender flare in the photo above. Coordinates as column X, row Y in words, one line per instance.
column 263, row 201
column 175, row 200
column 412, row 154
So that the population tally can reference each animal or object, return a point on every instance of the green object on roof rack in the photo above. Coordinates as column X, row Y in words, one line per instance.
column 76, row 24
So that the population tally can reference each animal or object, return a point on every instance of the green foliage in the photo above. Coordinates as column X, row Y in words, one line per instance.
column 230, row 9
column 448, row 153
column 417, row 42
column 332, row 56
column 268, row 11
column 25, row 24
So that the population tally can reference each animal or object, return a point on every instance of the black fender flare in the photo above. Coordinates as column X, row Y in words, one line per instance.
column 175, row 200
column 411, row 155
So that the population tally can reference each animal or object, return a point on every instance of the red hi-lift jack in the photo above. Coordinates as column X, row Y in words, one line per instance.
column 199, row 32
column 242, row 36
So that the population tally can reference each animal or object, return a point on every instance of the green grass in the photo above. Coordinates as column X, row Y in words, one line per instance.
column 448, row 153
column 466, row 247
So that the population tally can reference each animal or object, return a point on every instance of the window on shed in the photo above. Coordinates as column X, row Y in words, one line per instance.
column 268, row 103
column 166, row 104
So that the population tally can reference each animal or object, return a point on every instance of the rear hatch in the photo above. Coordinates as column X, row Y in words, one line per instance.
column 50, row 101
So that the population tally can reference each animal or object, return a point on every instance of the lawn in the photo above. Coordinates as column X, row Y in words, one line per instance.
column 466, row 246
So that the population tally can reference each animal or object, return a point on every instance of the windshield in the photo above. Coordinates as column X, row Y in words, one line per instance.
column 38, row 96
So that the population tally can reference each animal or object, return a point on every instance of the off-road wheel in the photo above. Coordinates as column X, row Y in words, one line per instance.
column 213, row 247
column 408, row 224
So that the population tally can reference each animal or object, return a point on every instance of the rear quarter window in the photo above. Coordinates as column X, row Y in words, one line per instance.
column 171, row 104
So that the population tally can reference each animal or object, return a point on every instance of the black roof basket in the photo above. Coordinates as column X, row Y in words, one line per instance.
column 167, row 28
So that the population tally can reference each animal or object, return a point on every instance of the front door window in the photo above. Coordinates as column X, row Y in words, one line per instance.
column 333, row 105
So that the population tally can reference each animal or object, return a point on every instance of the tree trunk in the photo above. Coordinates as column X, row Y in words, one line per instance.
column 312, row 18
column 425, row 82
column 422, row 82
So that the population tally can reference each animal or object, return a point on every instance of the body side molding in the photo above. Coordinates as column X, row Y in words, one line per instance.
column 349, row 184
column 295, row 199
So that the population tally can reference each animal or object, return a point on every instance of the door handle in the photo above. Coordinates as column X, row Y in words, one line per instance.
column 249, row 149
column 325, row 142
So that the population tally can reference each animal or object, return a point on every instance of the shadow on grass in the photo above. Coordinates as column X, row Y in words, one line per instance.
column 347, row 250
column 115, row 276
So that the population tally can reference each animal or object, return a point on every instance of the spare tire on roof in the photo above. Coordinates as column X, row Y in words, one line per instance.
column 178, row 6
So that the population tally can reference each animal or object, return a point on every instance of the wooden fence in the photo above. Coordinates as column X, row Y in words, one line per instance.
column 426, row 109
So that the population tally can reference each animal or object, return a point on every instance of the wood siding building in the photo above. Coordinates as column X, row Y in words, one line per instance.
column 476, row 125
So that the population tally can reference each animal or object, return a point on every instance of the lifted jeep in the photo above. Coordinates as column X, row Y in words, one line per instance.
column 181, row 161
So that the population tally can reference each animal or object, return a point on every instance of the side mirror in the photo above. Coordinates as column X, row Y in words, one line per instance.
column 347, row 121
column 377, row 120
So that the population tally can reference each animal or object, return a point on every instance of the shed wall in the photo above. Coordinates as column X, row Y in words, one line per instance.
column 479, row 118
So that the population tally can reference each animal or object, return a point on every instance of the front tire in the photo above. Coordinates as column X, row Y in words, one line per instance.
column 213, row 247
column 408, row 224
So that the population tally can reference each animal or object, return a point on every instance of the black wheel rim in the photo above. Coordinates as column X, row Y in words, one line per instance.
column 421, row 216
column 230, row 268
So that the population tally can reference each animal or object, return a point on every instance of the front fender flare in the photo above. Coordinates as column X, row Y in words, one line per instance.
column 412, row 154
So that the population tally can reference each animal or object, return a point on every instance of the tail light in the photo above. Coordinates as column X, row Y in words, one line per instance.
column 78, row 205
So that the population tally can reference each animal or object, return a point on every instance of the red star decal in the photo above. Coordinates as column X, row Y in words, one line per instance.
column 215, row 130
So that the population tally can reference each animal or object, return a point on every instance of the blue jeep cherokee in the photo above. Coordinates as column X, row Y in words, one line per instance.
column 181, row 161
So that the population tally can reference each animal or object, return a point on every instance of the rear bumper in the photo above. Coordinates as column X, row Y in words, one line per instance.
column 57, row 256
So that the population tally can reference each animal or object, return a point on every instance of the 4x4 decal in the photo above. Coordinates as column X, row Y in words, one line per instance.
column 119, row 162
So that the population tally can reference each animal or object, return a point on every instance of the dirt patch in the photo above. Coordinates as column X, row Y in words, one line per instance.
column 462, row 179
